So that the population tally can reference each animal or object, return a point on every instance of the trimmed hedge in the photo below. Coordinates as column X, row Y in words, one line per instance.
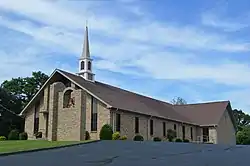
column 186, row 140
column 116, row 136
column 106, row 132
column 138, row 138
column 2, row 138
column 13, row 135
column 23, row 136
column 178, row 140
column 157, row 139
column 123, row 137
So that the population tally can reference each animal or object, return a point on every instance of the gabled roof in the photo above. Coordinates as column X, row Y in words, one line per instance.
column 205, row 114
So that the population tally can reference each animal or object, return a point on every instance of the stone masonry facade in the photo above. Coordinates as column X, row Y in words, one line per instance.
column 59, row 122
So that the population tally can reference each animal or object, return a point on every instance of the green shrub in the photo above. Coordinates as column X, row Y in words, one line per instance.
column 116, row 136
column 106, row 132
column 87, row 135
column 178, row 140
column 157, row 139
column 171, row 134
column 2, row 138
column 138, row 138
column 123, row 137
column 13, row 135
column 185, row 140
column 23, row 136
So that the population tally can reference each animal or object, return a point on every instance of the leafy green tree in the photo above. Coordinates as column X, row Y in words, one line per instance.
column 25, row 88
column 178, row 101
column 10, row 102
column 243, row 136
column 242, row 119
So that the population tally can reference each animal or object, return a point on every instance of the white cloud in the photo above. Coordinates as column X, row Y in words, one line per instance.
column 140, row 43
column 164, row 34
column 229, row 25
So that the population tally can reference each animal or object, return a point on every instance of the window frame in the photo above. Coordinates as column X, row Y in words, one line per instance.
column 137, row 125
column 118, row 122
column 164, row 128
column 151, row 127
column 94, row 115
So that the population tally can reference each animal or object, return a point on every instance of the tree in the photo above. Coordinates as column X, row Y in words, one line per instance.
column 9, row 106
column 241, row 119
column 25, row 88
column 243, row 136
column 9, row 101
column 178, row 101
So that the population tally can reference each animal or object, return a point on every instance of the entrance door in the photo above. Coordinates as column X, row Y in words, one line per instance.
column 205, row 134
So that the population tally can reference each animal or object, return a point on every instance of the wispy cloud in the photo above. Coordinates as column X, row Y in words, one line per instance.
column 140, row 46
column 226, row 24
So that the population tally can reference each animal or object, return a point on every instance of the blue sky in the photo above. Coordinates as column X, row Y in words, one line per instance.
column 198, row 50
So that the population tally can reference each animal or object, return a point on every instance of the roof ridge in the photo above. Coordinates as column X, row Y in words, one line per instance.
column 121, row 89
column 208, row 102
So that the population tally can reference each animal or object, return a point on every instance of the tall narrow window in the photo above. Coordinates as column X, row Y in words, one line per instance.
column 82, row 65
column 191, row 130
column 164, row 128
column 118, row 122
column 183, row 132
column 93, row 114
column 151, row 127
column 89, row 65
column 36, row 118
column 136, row 125
column 175, row 127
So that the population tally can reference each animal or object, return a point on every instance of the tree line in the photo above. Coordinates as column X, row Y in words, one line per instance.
column 17, row 92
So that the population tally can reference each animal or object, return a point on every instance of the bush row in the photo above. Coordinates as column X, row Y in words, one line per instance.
column 15, row 135
column 106, row 133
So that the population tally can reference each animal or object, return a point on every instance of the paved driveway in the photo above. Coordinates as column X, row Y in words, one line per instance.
column 129, row 153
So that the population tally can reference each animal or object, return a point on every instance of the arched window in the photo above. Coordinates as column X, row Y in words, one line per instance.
column 82, row 65
column 89, row 65
column 68, row 99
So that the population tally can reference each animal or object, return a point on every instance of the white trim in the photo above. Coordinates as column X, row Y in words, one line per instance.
column 108, row 105
column 38, row 92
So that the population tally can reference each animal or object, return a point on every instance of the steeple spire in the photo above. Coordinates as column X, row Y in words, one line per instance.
column 85, row 62
column 86, row 53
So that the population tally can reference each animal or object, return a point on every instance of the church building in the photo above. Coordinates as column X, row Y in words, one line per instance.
column 69, row 104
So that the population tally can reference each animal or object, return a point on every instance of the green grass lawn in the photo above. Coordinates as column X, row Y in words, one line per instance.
column 13, row 146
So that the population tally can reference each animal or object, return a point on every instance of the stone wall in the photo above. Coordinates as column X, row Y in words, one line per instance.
column 71, row 120
column 225, row 130
column 103, row 117
column 29, row 123
column 55, row 88
column 128, row 126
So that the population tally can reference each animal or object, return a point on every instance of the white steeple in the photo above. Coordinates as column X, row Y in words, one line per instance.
column 85, row 63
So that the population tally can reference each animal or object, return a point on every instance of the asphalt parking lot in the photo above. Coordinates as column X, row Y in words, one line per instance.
column 130, row 153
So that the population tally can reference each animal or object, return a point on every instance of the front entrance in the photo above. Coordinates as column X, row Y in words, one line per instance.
column 205, row 134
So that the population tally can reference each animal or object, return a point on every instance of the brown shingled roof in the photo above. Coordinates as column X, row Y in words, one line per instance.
column 129, row 101
column 204, row 114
